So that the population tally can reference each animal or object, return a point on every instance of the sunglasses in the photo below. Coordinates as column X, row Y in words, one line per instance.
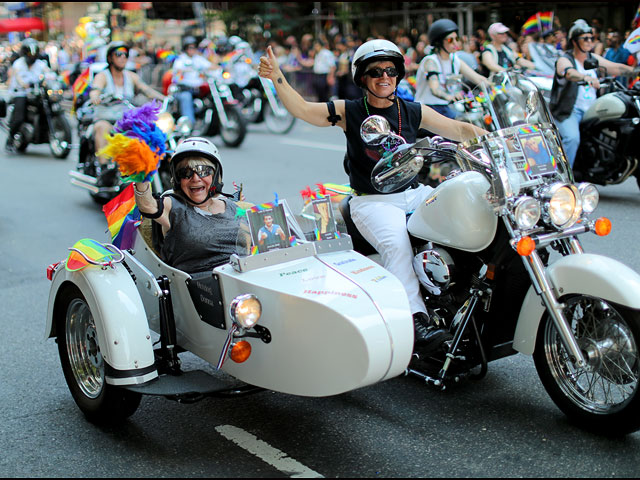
column 377, row 72
column 121, row 53
column 201, row 170
column 452, row 39
column 587, row 39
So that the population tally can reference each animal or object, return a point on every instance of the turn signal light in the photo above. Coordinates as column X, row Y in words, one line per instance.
column 526, row 246
column 240, row 351
column 603, row 226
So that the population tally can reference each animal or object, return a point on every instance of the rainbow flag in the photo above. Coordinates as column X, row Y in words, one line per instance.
column 87, row 248
column 123, row 218
column 538, row 23
column 635, row 23
column 633, row 41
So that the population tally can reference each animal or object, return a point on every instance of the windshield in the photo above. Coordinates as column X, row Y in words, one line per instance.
column 280, row 227
column 512, row 100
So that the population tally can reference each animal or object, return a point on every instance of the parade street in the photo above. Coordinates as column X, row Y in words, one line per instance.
column 502, row 426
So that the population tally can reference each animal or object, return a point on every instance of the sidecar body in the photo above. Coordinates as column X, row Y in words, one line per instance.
column 332, row 320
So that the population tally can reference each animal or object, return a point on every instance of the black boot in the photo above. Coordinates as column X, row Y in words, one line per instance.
column 9, row 146
column 429, row 338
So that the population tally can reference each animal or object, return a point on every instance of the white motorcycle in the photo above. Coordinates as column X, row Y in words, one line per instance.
column 498, row 256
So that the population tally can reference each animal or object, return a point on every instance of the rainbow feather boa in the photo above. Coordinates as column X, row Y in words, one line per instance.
column 137, row 145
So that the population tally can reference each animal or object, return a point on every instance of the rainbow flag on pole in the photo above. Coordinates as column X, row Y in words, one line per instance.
column 539, row 22
column 123, row 218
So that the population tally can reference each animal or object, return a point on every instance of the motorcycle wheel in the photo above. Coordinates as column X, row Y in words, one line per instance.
column 278, row 124
column 60, row 144
column 84, row 366
column 233, row 135
column 603, row 396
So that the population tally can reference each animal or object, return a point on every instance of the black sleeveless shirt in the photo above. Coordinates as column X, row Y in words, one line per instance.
column 357, row 162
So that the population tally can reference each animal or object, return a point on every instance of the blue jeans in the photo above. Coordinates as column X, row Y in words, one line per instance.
column 569, row 129
column 185, row 100
column 445, row 110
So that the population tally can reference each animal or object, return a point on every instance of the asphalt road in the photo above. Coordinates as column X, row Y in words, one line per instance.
column 502, row 426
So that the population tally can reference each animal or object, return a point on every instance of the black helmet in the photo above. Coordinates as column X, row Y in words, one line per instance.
column 376, row 51
column 30, row 50
column 440, row 29
column 197, row 147
column 578, row 28
column 113, row 46
column 189, row 40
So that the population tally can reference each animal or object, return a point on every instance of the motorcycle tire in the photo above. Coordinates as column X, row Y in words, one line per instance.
column 84, row 366
column 603, row 396
column 60, row 145
column 234, row 134
column 275, row 123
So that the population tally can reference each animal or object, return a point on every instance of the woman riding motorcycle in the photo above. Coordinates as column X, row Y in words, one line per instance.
column 24, row 73
column 117, row 83
column 378, row 66
column 569, row 101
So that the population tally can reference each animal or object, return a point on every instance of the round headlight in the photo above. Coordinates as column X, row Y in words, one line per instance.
column 565, row 206
column 590, row 196
column 527, row 212
column 245, row 310
column 165, row 122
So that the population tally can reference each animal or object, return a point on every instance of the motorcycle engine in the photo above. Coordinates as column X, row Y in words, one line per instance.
column 434, row 268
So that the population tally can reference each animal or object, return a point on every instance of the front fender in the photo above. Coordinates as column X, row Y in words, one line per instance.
column 119, row 315
column 585, row 274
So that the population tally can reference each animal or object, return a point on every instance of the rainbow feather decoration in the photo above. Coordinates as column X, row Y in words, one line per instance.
column 138, row 144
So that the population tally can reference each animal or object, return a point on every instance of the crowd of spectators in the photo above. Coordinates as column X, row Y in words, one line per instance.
column 320, row 67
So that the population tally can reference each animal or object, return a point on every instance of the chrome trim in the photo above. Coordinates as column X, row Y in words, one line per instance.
column 132, row 380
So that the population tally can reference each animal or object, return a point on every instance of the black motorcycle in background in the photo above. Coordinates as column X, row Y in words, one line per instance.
column 45, row 121
column 608, row 153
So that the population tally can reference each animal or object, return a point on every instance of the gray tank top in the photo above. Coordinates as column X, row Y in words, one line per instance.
column 198, row 242
column 126, row 91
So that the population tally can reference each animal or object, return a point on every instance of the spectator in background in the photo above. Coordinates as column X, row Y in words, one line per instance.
column 599, row 46
column 615, row 51
column 324, row 70
column 497, row 56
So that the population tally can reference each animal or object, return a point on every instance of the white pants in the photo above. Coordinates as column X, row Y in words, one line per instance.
column 382, row 221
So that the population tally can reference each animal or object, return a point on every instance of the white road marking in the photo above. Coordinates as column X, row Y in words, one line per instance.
column 304, row 143
column 266, row 452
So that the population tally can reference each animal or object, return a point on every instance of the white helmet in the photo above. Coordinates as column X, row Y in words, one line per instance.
column 197, row 147
column 376, row 51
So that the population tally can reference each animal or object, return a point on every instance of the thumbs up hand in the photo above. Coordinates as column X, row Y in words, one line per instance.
column 268, row 67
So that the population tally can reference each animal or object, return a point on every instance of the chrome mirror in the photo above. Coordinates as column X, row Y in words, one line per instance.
column 375, row 130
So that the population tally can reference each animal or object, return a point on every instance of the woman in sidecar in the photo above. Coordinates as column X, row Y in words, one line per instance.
column 312, row 319
column 199, row 224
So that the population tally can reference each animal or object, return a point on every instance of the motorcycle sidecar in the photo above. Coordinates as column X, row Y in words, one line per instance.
column 332, row 321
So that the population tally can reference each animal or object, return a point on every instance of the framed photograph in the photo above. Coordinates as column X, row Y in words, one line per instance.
column 326, row 228
column 537, row 154
column 269, row 228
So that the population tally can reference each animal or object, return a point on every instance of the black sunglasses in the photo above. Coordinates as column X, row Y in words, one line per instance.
column 121, row 54
column 587, row 39
column 187, row 172
column 377, row 72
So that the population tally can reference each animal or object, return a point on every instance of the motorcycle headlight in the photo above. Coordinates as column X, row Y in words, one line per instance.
column 527, row 213
column 184, row 125
column 165, row 122
column 590, row 197
column 245, row 310
column 564, row 205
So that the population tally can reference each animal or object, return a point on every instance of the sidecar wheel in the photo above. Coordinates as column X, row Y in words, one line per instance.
column 84, row 367
column 603, row 396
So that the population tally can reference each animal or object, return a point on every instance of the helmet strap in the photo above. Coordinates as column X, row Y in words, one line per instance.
column 391, row 97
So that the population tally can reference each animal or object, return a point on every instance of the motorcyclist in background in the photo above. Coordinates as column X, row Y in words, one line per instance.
column 187, row 70
column 115, row 82
column 25, row 72
column 438, row 80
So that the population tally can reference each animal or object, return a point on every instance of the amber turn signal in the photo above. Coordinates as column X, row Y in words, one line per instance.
column 603, row 226
column 240, row 351
column 526, row 246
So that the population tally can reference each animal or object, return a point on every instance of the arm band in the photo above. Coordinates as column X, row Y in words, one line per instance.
column 333, row 118
column 158, row 214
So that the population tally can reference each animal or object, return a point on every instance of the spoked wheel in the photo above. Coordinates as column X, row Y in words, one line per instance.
column 60, row 142
column 84, row 366
column 603, row 396
column 233, row 134
column 278, row 123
